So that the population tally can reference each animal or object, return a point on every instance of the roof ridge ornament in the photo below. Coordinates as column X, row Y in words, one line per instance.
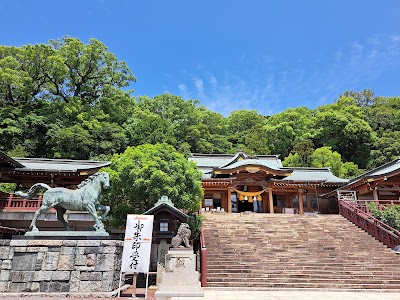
column 252, row 155
column 164, row 200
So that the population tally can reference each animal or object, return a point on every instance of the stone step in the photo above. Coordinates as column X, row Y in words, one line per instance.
column 355, row 272
column 308, row 276
column 307, row 279
column 316, row 267
column 305, row 285
column 301, row 251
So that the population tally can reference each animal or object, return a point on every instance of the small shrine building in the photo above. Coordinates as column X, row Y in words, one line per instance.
column 240, row 183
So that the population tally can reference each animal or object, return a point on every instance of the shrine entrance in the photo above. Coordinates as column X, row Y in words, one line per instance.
column 244, row 206
column 247, row 199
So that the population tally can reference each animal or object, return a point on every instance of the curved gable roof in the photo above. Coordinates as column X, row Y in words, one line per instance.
column 252, row 162
column 210, row 164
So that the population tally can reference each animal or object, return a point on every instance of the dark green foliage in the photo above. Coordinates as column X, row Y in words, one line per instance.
column 195, row 223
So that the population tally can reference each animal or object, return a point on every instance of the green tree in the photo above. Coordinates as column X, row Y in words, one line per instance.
column 301, row 154
column 63, row 99
column 325, row 157
column 364, row 98
column 183, row 124
column 343, row 127
column 141, row 175
column 246, row 131
column 62, row 69
column 385, row 149
column 384, row 114
column 283, row 129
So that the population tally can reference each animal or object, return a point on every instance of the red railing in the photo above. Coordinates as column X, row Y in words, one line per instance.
column 363, row 204
column 384, row 233
column 203, row 257
column 15, row 203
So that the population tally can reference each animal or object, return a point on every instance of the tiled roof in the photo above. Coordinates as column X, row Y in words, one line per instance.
column 381, row 171
column 59, row 165
column 48, row 165
column 209, row 162
column 272, row 164
column 224, row 160
column 313, row 175
column 386, row 169
column 164, row 202
column 8, row 162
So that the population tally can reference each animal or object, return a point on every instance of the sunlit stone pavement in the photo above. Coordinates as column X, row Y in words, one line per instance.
column 211, row 294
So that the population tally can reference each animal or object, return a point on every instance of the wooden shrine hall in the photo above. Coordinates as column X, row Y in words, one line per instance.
column 242, row 183
column 380, row 185
column 54, row 172
column 24, row 172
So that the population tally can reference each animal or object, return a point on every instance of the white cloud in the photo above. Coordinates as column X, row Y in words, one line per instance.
column 183, row 90
column 271, row 84
column 199, row 85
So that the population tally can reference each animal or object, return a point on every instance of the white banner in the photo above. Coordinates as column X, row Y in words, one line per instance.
column 137, row 244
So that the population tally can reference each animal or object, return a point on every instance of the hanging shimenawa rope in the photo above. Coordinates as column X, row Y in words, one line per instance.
column 250, row 196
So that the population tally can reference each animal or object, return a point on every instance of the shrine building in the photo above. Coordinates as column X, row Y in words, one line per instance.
column 16, row 212
column 247, row 183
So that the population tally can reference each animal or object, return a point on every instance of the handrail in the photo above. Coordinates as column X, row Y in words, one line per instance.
column 203, row 265
column 383, row 232
column 15, row 203
column 362, row 204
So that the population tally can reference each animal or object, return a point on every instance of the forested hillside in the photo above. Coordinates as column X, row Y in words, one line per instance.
column 67, row 99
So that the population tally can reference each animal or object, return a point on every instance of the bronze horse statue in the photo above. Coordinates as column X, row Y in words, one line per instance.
column 86, row 197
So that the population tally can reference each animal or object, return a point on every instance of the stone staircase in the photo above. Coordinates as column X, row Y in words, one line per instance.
column 295, row 251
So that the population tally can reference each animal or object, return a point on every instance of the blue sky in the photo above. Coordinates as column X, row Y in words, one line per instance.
column 229, row 55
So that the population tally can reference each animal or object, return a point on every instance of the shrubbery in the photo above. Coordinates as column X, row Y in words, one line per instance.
column 390, row 214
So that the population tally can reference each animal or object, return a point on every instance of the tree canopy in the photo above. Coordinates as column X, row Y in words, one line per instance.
column 68, row 99
column 142, row 174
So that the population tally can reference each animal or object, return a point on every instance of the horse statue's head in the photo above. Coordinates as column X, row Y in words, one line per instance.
column 104, row 179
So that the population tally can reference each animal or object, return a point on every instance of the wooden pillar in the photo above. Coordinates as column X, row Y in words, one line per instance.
column 229, row 201
column 271, row 201
column 376, row 198
column 308, row 202
column 264, row 202
column 300, row 197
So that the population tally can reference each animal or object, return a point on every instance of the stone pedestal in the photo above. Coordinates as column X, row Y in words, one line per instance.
column 162, row 252
column 67, row 233
column 180, row 278
column 59, row 266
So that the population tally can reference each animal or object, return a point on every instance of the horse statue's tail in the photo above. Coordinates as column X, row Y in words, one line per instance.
column 32, row 191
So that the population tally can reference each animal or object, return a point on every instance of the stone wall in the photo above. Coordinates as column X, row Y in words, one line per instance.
column 59, row 265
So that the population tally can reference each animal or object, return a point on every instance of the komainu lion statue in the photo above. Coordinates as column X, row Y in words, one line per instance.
column 182, row 237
